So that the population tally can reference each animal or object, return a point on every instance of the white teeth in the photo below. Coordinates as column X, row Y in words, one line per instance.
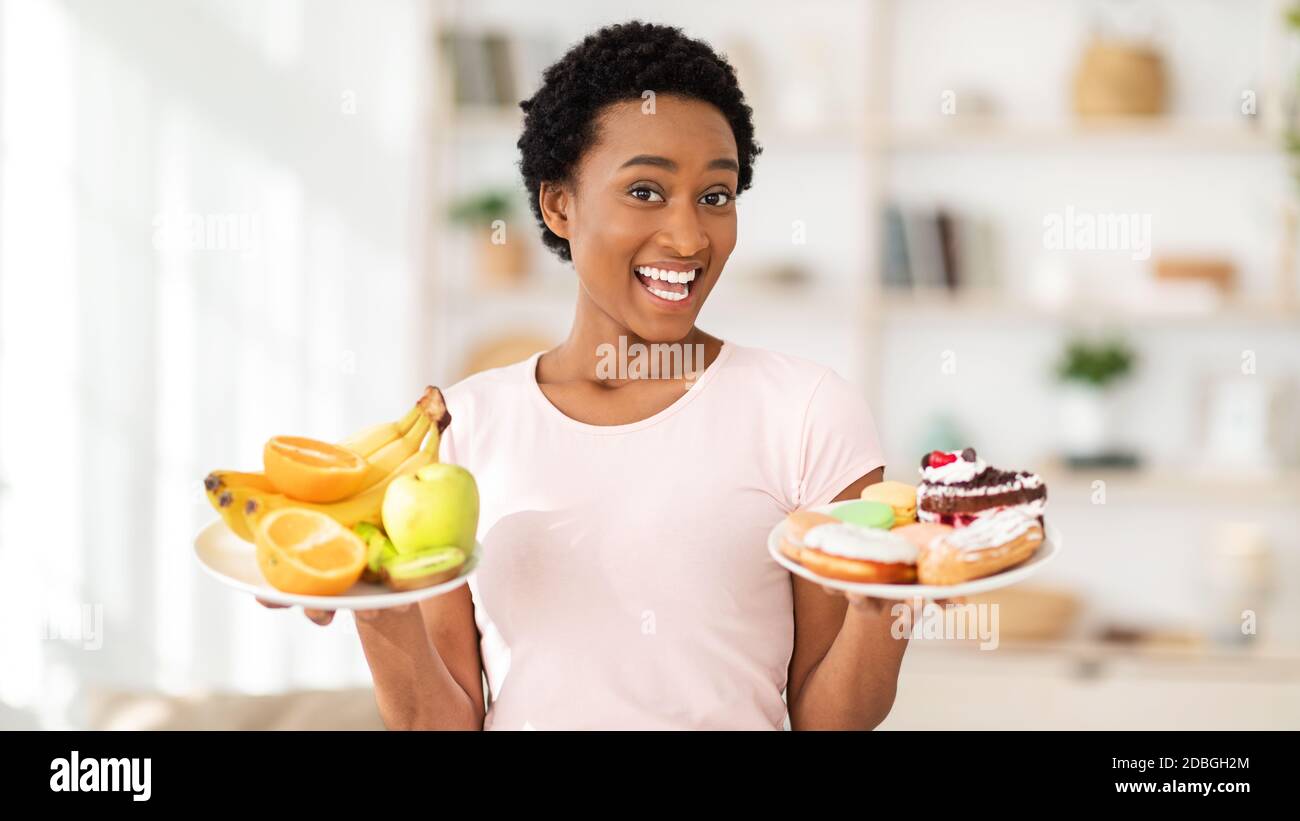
column 667, row 276
column 668, row 295
column 678, row 277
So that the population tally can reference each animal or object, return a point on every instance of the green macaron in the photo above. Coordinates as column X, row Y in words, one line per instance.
column 866, row 514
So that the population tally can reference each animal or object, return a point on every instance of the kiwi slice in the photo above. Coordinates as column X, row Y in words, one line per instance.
column 424, row 568
column 378, row 550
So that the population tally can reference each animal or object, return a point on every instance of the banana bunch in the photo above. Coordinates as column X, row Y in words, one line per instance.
column 391, row 449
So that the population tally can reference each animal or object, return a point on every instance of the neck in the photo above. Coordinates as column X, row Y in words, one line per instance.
column 578, row 356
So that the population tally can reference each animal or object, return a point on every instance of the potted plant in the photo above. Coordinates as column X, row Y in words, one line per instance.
column 499, row 246
column 1088, row 371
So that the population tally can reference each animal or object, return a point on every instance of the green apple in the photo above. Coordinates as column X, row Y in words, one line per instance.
column 435, row 507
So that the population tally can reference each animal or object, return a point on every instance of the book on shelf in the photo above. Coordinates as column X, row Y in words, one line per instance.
column 937, row 250
column 494, row 70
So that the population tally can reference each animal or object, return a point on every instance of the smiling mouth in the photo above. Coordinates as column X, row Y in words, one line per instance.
column 670, row 286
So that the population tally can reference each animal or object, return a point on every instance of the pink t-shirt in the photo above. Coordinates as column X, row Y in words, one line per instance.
column 625, row 581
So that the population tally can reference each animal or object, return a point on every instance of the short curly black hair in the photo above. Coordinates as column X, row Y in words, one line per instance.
column 617, row 63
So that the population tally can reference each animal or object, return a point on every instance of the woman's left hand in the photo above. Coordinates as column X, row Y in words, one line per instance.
column 872, row 606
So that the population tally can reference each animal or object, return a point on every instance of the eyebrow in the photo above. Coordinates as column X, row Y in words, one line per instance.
column 724, row 163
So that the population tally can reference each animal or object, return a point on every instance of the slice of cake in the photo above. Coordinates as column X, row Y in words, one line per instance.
column 957, row 486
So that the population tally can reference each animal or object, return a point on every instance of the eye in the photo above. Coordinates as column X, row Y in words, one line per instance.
column 726, row 198
column 641, row 189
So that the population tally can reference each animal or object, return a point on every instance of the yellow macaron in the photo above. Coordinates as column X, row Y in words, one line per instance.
column 898, row 495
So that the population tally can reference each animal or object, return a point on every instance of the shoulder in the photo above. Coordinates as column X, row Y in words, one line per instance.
column 486, row 385
column 789, row 379
column 485, row 397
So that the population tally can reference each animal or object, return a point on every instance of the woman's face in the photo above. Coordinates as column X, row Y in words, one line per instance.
column 655, row 191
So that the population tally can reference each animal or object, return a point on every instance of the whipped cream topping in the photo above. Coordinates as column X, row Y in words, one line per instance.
column 991, row 529
column 1032, row 509
column 864, row 543
column 958, row 471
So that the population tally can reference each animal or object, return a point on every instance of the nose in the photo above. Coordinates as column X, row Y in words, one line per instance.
column 682, row 232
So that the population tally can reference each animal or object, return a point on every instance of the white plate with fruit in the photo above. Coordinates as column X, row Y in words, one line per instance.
column 371, row 522
column 233, row 562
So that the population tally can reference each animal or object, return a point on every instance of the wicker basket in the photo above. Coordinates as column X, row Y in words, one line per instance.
column 1119, row 80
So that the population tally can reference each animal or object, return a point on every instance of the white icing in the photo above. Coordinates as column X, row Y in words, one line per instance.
column 991, row 529
column 1032, row 509
column 854, row 542
column 958, row 471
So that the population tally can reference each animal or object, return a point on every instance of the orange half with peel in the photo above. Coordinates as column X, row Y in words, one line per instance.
column 313, row 471
column 305, row 552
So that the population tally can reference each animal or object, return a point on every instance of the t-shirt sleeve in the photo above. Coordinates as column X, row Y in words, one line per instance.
column 839, row 441
column 448, row 449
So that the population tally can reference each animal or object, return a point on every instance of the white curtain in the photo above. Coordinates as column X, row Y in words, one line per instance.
column 211, row 222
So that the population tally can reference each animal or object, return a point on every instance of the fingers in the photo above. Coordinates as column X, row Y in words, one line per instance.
column 371, row 615
column 321, row 617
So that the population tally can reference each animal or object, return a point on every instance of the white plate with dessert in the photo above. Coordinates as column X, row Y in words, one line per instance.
column 967, row 528
column 1045, row 553
column 233, row 562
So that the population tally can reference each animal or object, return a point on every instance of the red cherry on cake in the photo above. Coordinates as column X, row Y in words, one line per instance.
column 938, row 458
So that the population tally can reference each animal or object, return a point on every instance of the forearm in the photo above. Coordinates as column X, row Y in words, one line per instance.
column 853, row 686
column 413, row 687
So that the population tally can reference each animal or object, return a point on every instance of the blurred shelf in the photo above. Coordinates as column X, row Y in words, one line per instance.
column 1090, row 657
column 1192, row 485
column 531, row 294
column 483, row 122
column 744, row 296
column 1119, row 134
column 487, row 122
column 995, row 307
column 478, row 122
column 847, row 135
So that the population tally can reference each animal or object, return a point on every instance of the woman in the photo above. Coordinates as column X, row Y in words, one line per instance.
column 624, row 580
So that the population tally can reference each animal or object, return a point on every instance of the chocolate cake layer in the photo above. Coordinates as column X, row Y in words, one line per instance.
column 992, row 488
column 943, row 503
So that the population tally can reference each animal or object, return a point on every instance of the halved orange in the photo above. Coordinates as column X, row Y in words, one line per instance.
column 313, row 471
column 306, row 552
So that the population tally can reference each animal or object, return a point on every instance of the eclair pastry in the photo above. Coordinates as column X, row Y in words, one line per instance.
column 992, row 543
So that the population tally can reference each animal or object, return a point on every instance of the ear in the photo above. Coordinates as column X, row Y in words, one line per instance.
column 556, row 201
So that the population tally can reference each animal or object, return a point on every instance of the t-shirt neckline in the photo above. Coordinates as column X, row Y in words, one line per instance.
column 530, row 376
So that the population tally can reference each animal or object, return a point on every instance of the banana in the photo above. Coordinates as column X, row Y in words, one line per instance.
column 365, row 506
column 386, row 459
column 218, row 485
column 368, row 441
column 387, row 442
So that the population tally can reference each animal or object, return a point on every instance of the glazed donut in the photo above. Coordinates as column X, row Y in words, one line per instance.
column 990, row 544
column 840, row 550
column 865, row 571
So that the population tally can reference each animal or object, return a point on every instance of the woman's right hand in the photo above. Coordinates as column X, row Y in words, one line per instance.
column 420, row 684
